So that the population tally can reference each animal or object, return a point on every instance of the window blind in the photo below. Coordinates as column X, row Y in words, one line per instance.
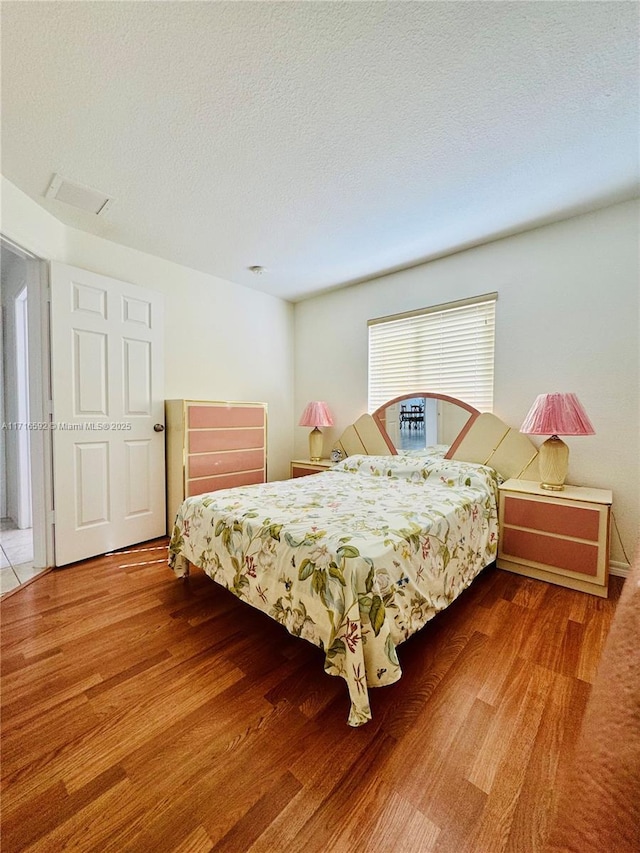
column 447, row 349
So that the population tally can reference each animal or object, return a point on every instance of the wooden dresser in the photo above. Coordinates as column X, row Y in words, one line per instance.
column 212, row 445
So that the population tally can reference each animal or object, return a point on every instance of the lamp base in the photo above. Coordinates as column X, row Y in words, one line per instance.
column 553, row 461
column 315, row 445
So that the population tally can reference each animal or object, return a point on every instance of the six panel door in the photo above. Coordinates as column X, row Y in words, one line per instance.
column 108, row 389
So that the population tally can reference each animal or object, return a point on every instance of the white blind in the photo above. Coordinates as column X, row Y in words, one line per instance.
column 448, row 349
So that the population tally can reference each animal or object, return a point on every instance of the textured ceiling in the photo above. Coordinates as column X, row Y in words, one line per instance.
column 326, row 141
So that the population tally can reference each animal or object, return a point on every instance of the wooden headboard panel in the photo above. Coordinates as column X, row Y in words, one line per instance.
column 365, row 436
column 489, row 441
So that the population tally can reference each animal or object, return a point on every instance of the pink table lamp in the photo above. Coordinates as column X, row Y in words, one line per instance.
column 315, row 415
column 555, row 415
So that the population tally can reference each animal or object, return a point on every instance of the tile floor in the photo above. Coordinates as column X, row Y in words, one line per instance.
column 412, row 439
column 16, row 556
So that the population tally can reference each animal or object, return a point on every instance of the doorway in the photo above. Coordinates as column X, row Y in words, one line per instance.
column 23, row 437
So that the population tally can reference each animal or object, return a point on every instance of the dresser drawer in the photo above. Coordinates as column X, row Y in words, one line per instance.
column 224, row 481
column 301, row 471
column 550, row 551
column 212, row 440
column 302, row 467
column 563, row 519
column 214, row 464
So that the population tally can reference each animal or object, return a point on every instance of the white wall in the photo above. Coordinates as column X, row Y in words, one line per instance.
column 567, row 319
column 222, row 341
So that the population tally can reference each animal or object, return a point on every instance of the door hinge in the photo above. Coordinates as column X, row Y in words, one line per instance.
column 52, row 517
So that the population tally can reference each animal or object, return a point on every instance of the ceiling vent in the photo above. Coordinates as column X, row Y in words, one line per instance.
column 77, row 195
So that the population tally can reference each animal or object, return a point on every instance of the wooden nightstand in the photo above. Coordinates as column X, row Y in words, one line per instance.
column 303, row 467
column 560, row 537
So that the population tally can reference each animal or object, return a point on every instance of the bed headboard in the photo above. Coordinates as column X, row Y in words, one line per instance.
column 484, row 438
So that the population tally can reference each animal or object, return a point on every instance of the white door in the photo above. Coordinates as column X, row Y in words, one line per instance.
column 107, row 389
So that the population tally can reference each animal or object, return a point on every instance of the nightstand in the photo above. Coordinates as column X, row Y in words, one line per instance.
column 559, row 537
column 303, row 467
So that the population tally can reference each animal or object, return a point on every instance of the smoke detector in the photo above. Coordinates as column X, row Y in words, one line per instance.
column 256, row 269
column 79, row 196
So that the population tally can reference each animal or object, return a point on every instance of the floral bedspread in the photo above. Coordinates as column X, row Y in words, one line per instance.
column 355, row 559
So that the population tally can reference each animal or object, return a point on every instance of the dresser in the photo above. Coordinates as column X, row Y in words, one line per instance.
column 212, row 445
column 561, row 537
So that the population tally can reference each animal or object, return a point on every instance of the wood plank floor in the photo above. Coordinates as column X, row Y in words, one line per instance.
column 143, row 713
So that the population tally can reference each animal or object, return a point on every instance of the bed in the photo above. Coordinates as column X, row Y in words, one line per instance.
column 358, row 558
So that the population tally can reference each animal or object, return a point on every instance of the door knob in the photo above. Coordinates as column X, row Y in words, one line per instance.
column 158, row 428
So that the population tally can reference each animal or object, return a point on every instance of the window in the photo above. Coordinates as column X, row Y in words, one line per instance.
column 447, row 349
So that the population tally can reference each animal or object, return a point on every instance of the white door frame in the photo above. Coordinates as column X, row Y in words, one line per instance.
column 40, row 406
column 24, row 519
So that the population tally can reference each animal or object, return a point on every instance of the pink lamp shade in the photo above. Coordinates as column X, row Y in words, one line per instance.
column 554, row 415
column 316, row 414
column 557, row 414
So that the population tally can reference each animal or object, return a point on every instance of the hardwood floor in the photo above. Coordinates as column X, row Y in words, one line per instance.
column 142, row 713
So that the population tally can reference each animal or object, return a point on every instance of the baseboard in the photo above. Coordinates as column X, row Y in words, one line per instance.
column 620, row 570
